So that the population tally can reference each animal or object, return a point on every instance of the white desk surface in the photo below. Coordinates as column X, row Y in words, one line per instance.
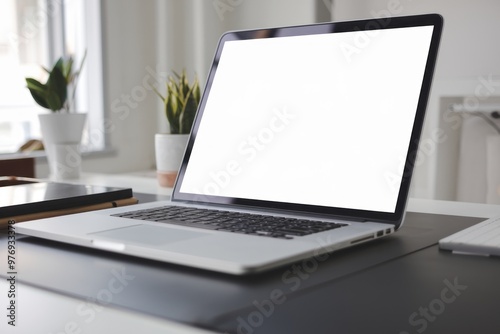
column 42, row 311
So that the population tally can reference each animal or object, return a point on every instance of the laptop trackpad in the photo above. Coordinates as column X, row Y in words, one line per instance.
column 148, row 235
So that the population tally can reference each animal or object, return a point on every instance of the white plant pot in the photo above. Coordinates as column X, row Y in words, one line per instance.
column 169, row 150
column 62, row 135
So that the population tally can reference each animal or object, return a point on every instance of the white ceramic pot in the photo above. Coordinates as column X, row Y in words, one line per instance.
column 169, row 151
column 62, row 135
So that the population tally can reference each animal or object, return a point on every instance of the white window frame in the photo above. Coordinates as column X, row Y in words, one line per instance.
column 90, row 86
column 88, row 39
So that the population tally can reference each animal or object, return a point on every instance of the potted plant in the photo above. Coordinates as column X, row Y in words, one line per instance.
column 180, row 105
column 61, row 128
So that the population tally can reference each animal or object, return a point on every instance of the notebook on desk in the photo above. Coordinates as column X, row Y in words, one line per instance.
column 23, row 199
column 303, row 144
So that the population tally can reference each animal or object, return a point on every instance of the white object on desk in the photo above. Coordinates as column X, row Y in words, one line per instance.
column 480, row 239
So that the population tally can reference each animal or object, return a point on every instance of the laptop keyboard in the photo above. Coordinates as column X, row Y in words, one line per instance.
column 252, row 224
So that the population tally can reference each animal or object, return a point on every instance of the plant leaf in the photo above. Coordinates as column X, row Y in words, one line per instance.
column 187, row 117
column 181, row 102
column 66, row 69
column 57, row 89
column 54, row 101
column 38, row 92
column 54, row 93
column 172, row 115
column 59, row 64
column 196, row 91
column 34, row 84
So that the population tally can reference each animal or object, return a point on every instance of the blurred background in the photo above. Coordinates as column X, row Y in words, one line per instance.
column 133, row 44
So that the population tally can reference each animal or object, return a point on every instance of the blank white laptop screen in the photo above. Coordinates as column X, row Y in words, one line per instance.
column 329, row 112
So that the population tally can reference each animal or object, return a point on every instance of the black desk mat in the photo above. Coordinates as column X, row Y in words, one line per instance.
column 207, row 299
column 430, row 291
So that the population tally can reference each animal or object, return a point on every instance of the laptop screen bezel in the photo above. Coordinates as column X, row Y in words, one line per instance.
column 434, row 20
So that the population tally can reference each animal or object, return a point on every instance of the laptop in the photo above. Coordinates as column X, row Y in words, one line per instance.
column 303, row 144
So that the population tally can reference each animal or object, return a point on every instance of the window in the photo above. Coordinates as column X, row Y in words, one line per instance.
column 35, row 33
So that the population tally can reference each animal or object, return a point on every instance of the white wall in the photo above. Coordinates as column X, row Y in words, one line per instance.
column 129, row 44
column 190, row 29
column 470, row 50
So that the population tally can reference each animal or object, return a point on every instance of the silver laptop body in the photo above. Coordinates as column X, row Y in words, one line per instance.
column 317, row 123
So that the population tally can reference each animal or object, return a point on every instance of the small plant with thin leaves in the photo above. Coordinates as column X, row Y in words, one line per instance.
column 180, row 102
column 53, row 94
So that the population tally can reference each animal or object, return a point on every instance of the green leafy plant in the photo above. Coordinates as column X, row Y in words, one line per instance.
column 180, row 102
column 53, row 94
